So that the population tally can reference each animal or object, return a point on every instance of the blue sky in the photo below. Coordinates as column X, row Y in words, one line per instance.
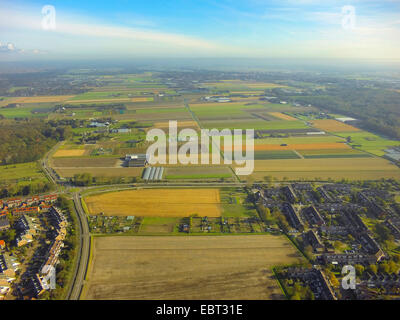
column 204, row 28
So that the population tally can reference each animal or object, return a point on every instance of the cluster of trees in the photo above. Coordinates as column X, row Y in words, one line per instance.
column 377, row 107
column 26, row 141
column 86, row 179
column 83, row 179
column 274, row 217
column 25, row 189
column 383, row 233
column 300, row 292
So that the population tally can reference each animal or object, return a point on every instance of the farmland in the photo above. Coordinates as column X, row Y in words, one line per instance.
column 198, row 172
column 157, row 202
column 109, row 172
column 282, row 116
column 69, row 153
column 331, row 125
column 197, row 267
column 369, row 142
column 337, row 168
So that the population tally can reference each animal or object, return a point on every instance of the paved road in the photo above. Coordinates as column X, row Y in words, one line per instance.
column 83, row 251
column 45, row 164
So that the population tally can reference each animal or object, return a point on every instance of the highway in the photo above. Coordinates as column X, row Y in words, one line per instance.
column 83, row 251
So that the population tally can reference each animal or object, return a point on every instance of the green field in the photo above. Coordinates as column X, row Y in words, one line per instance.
column 234, row 203
column 369, row 142
column 24, row 112
column 198, row 172
column 21, row 172
column 155, row 225
column 300, row 140
column 199, row 176
column 94, row 95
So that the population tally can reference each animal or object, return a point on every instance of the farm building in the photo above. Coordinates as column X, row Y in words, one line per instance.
column 121, row 130
column 153, row 173
column 136, row 160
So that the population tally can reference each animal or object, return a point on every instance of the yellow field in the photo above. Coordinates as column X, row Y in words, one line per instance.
column 353, row 169
column 186, row 124
column 157, row 203
column 69, row 153
column 282, row 116
column 40, row 99
column 331, row 125
column 142, row 99
column 191, row 267
column 99, row 100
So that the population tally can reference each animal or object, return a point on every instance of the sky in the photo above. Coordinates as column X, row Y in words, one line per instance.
column 119, row 29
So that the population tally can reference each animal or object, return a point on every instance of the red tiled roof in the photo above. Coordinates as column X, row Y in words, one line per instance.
column 26, row 209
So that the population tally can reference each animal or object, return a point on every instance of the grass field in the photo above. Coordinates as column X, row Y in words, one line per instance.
column 35, row 111
column 369, row 142
column 101, row 172
column 197, row 172
column 155, row 225
column 83, row 162
column 190, row 267
column 234, row 203
column 157, row 202
column 21, row 171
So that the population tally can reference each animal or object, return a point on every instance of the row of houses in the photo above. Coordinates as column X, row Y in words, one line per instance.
column 27, row 228
column 8, row 267
column 348, row 258
column 314, row 241
column 289, row 193
column 292, row 216
column 38, row 283
column 17, row 202
column 316, row 280
column 373, row 207
column 393, row 228
column 313, row 217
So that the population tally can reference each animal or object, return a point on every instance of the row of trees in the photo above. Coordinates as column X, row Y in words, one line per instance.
column 25, row 190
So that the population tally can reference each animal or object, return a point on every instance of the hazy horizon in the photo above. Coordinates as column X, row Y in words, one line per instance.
column 306, row 29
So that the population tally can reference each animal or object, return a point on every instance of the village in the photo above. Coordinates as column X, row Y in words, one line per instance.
column 336, row 225
column 33, row 231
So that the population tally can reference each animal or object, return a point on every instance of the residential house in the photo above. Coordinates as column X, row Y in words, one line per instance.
column 4, row 223
column 313, row 217
column 313, row 239
column 292, row 216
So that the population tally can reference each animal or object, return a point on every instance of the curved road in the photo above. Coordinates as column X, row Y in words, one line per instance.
column 83, row 251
